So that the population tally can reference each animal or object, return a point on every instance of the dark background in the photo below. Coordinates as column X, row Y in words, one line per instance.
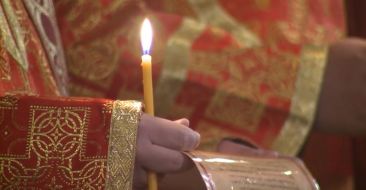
column 356, row 24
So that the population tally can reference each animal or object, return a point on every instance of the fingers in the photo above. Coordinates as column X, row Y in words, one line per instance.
column 163, row 160
column 169, row 134
column 159, row 142
column 139, row 178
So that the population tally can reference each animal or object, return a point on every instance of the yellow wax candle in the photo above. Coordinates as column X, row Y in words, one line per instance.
column 148, row 84
column 149, row 106
column 146, row 39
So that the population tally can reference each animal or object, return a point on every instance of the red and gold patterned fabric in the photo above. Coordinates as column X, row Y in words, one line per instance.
column 55, row 143
column 249, row 68
column 24, row 66
column 67, row 143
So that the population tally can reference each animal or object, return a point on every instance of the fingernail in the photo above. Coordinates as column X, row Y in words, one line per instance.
column 198, row 139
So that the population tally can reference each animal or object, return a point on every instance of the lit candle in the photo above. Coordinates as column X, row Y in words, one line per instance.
column 146, row 39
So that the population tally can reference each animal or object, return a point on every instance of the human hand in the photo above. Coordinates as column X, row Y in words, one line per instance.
column 342, row 100
column 159, row 146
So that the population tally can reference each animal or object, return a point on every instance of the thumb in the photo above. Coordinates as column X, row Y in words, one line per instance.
column 183, row 121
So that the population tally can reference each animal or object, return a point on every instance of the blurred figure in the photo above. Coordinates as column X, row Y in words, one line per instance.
column 262, row 70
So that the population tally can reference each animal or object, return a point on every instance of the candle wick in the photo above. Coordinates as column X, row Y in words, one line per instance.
column 146, row 52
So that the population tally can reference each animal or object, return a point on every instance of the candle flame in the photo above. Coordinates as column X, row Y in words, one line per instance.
column 146, row 36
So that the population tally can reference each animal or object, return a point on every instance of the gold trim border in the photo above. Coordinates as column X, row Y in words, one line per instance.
column 304, row 102
column 6, row 36
column 53, row 51
column 122, row 144
column 176, row 61
column 211, row 12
